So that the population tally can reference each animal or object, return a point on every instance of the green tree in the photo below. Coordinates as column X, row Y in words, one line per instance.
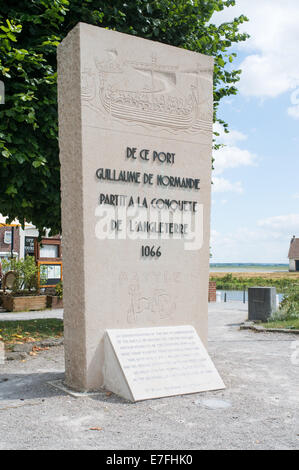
column 30, row 31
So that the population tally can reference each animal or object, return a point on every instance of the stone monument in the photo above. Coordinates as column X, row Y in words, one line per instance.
column 261, row 303
column 135, row 136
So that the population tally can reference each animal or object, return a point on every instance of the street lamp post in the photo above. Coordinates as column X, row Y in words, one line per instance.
column 12, row 242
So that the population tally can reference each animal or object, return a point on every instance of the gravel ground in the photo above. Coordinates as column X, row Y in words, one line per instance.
column 258, row 410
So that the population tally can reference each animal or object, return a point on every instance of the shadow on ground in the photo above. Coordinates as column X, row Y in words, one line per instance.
column 44, row 385
column 28, row 386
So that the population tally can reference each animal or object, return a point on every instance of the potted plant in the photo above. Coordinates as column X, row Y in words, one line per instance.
column 24, row 293
column 56, row 300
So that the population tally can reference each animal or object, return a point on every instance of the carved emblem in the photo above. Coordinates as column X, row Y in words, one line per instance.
column 158, row 307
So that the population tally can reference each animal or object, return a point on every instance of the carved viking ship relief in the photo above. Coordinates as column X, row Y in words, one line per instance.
column 147, row 93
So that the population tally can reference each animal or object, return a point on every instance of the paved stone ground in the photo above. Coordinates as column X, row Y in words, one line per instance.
column 49, row 313
column 258, row 410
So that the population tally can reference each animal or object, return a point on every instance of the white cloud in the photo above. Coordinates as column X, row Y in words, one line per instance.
column 271, row 67
column 262, row 77
column 281, row 223
column 296, row 196
column 230, row 138
column 293, row 111
column 230, row 156
column 267, row 242
column 221, row 185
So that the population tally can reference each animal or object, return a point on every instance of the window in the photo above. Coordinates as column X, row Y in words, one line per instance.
column 49, row 251
column 7, row 237
column 29, row 246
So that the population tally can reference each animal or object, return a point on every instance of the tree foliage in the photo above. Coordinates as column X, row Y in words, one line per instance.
column 30, row 31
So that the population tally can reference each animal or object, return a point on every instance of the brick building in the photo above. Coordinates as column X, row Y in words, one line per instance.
column 294, row 254
column 23, row 241
column 9, row 240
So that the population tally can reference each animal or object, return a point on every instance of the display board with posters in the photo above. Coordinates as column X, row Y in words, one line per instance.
column 49, row 273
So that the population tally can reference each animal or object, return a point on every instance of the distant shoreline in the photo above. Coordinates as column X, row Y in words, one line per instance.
column 249, row 268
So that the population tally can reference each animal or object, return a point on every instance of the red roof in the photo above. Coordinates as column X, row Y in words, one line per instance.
column 294, row 249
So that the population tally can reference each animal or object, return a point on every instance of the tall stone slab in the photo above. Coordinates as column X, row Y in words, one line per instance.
column 135, row 136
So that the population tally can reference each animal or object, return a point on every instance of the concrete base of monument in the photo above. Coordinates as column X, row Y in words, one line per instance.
column 156, row 362
column 60, row 385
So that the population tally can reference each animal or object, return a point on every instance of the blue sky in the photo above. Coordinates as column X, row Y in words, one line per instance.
column 255, row 200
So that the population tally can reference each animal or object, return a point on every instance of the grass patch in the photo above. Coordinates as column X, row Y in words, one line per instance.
column 287, row 324
column 22, row 331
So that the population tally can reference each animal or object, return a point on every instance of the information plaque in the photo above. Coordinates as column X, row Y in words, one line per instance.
column 157, row 362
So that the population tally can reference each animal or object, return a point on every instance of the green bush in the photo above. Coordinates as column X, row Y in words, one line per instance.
column 59, row 290
column 26, row 273
column 289, row 307
column 228, row 282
